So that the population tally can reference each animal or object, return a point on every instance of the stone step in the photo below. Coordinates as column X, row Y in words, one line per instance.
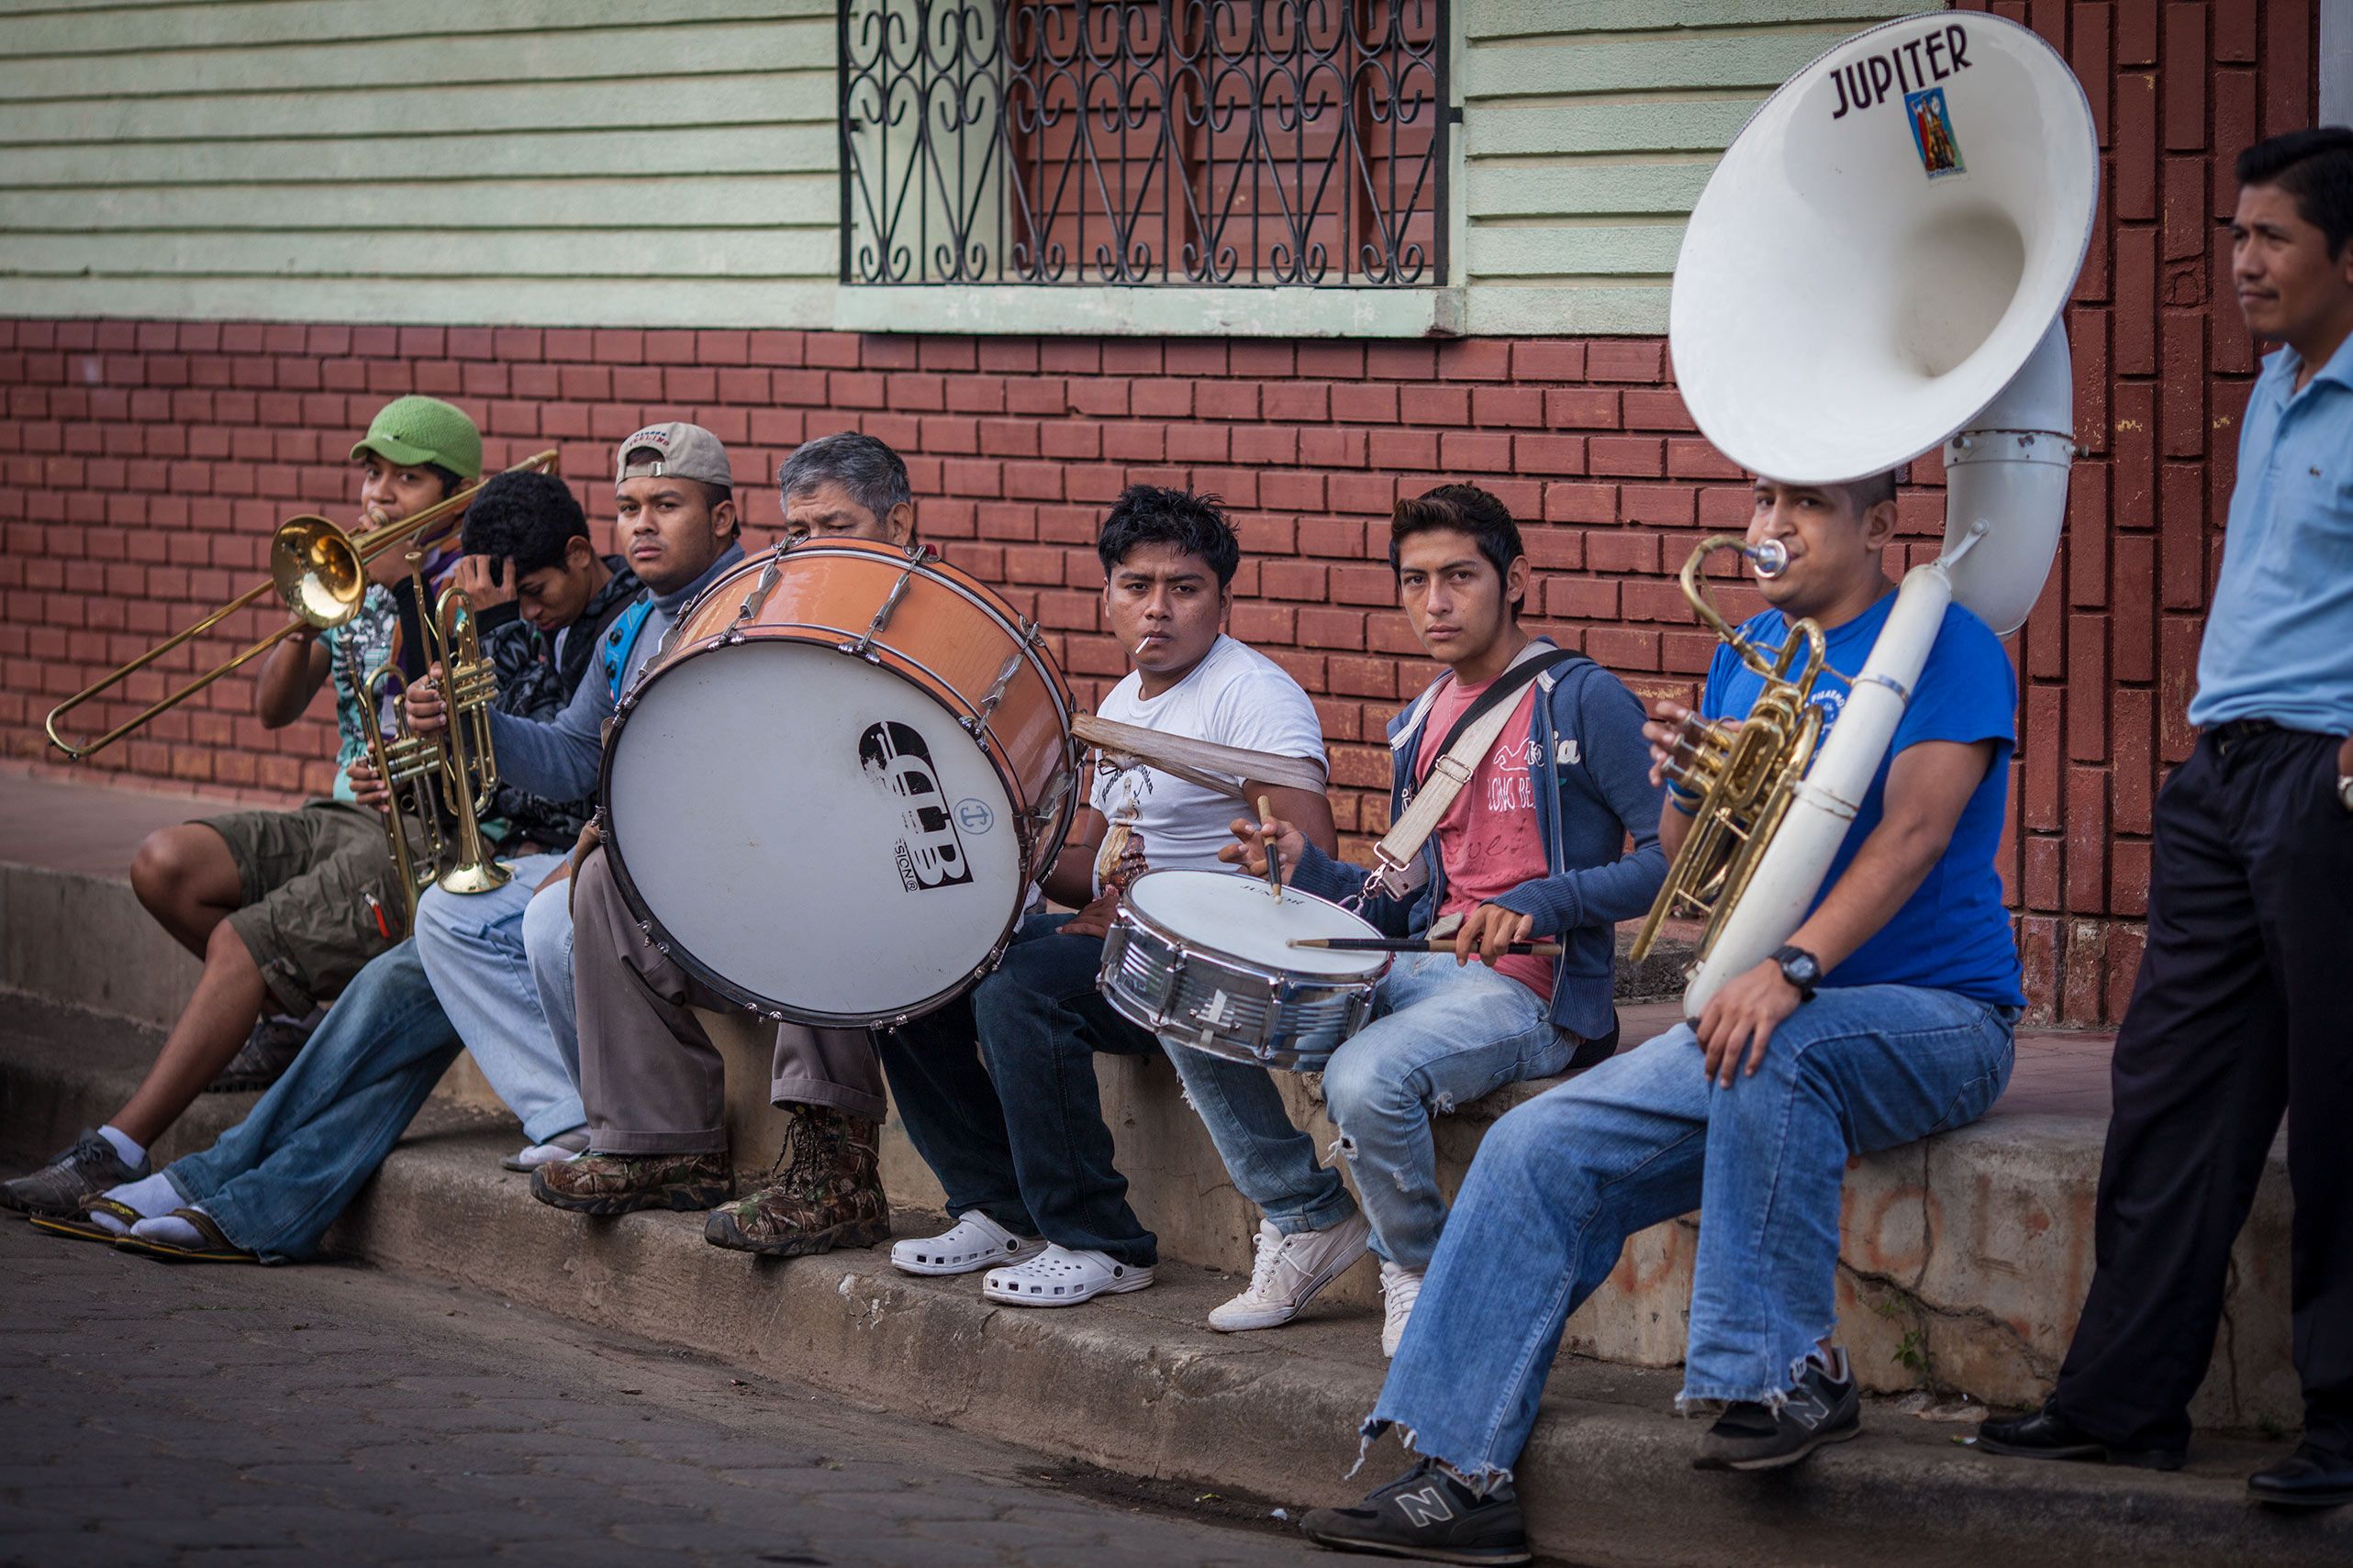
column 1137, row 1385
column 1964, row 1259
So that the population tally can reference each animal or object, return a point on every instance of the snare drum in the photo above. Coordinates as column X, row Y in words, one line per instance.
column 1204, row 957
column 827, row 798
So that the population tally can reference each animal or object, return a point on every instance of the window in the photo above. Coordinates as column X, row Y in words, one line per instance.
column 1182, row 142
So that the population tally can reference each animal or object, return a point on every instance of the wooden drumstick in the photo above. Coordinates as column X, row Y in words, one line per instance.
column 1273, row 870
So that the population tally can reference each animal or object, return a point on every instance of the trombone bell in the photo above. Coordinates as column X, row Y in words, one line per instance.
column 317, row 571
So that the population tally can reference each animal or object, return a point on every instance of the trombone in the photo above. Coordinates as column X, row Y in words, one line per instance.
column 319, row 570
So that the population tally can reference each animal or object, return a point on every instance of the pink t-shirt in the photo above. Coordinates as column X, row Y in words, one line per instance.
column 1487, row 841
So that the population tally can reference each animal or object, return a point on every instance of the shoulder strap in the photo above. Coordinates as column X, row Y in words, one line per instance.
column 619, row 641
column 1472, row 733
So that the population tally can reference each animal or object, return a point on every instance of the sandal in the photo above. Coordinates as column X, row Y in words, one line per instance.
column 215, row 1247
column 87, row 1228
column 974, row 1241
column 1060, row 1276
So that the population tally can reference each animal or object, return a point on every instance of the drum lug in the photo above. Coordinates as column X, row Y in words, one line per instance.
column 978, row 725
column 887, row 609
column 770, row 575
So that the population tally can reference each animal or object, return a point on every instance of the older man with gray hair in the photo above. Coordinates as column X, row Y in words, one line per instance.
column 653, row 1084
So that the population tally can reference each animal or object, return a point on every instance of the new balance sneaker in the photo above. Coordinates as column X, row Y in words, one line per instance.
column 1400, row 1288
column 1426, row 1513
column 1824, row 1407
column 1287, row 1272
column 64, row 1186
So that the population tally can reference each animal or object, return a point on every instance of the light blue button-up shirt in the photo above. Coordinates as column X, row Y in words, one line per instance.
column 2280, row 639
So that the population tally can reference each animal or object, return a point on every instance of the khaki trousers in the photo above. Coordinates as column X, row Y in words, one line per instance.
column 650, row 1078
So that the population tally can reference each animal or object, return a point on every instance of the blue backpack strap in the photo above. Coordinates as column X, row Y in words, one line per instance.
column 621, row 637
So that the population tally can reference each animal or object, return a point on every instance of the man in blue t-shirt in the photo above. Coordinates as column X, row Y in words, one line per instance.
column 1887, row 1017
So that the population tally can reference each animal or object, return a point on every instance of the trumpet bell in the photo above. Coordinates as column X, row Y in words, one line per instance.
column 317, row 570
column 1883, row 245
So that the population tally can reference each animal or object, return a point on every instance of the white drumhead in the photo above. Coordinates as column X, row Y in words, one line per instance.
column 1237, row 914
column 813, row 828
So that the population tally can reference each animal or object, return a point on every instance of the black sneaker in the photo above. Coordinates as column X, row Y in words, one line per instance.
column 61, row 1188
column 264, row 1057
column 1824, row 1407
column 1426, row 1513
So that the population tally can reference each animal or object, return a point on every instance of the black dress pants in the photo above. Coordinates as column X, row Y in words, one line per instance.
column 2243, row 1006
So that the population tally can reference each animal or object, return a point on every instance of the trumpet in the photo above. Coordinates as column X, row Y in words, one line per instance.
column 1744, row 773
column 317, row 569
column 445, row 780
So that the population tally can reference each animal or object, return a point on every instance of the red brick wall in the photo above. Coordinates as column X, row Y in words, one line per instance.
column 142, row 464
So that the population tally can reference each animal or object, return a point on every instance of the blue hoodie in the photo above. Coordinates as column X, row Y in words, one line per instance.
column 559, row 758
column 1593, row 791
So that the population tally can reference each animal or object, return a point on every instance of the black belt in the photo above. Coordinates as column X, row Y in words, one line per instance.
column 2241, row 730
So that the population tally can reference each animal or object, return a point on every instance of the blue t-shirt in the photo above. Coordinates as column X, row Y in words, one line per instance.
column 1951, row 934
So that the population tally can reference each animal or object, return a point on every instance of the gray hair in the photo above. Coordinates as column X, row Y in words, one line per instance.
column 875, row 477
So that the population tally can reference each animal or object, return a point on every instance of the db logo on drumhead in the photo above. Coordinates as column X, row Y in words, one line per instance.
column 931, row 856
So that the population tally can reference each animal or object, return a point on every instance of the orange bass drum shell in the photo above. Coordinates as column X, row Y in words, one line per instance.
column 829, row 794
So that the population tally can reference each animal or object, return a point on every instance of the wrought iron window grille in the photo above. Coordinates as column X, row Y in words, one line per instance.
column 1144, row 142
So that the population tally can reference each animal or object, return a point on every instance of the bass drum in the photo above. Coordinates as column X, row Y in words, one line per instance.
column 829, row 796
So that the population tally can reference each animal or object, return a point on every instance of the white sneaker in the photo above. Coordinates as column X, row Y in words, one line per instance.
column 1399, row 1289
column 974, row 1241
column 1289, row 1271
column 1063, row 1276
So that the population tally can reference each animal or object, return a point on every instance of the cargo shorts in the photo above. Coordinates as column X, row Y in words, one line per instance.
column 306, row 876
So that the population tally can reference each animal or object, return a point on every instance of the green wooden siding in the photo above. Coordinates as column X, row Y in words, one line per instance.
column 661, row 163
column 646, row 162
column 1589, row 128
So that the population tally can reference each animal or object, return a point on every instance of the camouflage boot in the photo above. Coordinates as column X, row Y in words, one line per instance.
column 824, row 1191
column 619, row 1184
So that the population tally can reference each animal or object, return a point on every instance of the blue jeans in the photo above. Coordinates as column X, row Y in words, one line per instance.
column 1561, row 1181
column 473, row 948
column 1443, row 1034
column 998, row 1094
column 277, row 1180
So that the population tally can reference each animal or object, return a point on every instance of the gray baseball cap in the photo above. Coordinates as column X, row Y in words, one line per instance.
column 687, row 451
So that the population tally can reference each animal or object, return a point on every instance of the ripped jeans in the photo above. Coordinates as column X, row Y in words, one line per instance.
column 1444, row 1035
column 1561, row 1181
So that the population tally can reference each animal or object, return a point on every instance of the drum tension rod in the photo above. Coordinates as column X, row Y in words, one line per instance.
column 889, row 605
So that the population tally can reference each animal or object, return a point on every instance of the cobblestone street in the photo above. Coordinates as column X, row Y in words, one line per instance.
column 152, row 1413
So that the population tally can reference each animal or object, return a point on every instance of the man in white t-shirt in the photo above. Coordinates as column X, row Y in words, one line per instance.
column 998, row 1091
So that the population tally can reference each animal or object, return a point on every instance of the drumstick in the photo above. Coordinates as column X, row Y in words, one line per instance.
column 1274, row 872
column 1415, row 944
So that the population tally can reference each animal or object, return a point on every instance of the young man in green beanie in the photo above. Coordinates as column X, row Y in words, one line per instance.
column 282, row 907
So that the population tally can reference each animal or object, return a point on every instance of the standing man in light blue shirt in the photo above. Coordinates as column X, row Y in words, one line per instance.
column 2241, row 1010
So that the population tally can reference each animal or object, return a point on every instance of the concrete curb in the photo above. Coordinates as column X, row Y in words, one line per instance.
column 1136, row 1385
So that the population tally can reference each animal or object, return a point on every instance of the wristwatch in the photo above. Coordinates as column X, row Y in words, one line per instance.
column 1801, row 969
column 2345, row 790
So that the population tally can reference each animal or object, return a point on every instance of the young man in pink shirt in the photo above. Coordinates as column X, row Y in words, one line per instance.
column 1534, row 846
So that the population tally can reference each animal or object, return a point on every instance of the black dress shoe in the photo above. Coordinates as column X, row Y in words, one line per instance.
column 2308, row 1478
column 2042, row 1434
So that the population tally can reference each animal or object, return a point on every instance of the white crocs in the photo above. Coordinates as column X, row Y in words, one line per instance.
column 974, row 1241
column 1061, row 1277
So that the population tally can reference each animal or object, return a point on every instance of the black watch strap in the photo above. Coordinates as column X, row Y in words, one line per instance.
column 1801, row 969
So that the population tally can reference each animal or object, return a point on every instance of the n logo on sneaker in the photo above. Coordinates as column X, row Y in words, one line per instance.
column 1806, row 1407
column 1426, row 1507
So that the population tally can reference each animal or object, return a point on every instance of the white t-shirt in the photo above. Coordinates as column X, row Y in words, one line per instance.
column 1234, row 696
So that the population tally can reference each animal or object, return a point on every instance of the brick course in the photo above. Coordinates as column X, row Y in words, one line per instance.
column 142, row 464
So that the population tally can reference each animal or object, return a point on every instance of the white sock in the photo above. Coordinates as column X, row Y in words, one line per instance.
column 133, row 1154
column 170, row 1230
column 151, row 1196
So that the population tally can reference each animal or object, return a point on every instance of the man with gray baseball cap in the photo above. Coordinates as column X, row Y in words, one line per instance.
column 501, row 962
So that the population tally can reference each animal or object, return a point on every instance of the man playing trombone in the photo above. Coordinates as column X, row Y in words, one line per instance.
column 282, row 907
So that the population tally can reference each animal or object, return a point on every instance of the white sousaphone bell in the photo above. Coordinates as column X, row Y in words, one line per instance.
column 1878, row 267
